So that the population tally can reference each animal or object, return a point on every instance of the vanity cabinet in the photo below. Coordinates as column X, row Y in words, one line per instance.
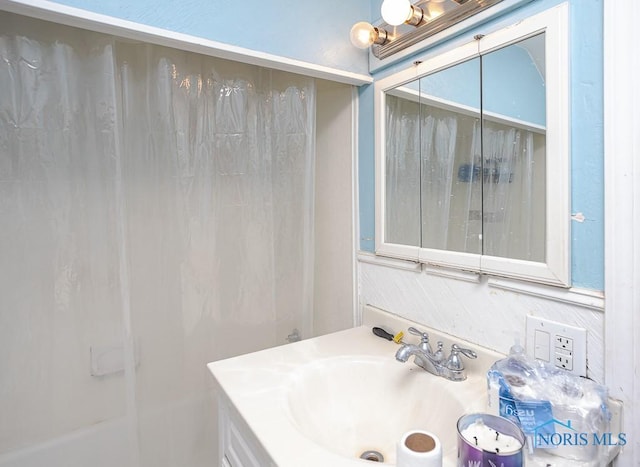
column 238, row 446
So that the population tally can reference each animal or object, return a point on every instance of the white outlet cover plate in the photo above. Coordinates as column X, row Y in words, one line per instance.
column 555, row 329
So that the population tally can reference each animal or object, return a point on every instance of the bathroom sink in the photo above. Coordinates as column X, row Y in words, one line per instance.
column 356, row 403
column 324, row 401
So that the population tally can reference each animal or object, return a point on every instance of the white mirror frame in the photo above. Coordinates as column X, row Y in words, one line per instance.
column 556, row 270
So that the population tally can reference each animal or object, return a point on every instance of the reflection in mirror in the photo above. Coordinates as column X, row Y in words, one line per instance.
column 514, row 160
column 403, row 167
column 464, row 175
column 473, row 155
column 428, row 126
column 450, row 118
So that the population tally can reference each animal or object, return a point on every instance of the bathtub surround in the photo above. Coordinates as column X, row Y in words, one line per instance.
column 335, row 236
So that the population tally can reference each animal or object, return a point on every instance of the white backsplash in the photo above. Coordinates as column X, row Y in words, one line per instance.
column 476, row 311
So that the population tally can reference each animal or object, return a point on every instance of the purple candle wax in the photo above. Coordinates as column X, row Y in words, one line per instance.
column 486, row 440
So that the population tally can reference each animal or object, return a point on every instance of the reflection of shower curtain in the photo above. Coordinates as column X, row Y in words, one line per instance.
column 402, row 171
column 153, row 201
column 482, row 186
column 512, row 227
column 438, row 161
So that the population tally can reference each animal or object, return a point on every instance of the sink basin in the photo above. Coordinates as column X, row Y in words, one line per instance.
column 325, row 401
column 351, row 404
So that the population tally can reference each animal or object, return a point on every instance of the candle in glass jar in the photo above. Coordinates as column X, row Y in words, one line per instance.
column 486, row 438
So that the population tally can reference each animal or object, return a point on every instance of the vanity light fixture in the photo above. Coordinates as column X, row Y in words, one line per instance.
column 364, row 34
column 405, row 23
column 396, row 12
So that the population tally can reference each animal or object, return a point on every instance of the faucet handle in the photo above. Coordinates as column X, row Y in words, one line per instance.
column 455, row 362
column 466, row 352
column 438, row 355
column 416, row 332
column 424, row 339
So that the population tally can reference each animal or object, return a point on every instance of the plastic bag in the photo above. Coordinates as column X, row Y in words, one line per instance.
column 561, row 414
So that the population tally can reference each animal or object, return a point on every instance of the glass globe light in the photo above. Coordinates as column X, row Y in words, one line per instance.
column 395, row 12
column 362, row 35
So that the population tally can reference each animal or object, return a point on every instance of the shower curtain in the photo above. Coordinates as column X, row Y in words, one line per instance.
column 157, row 214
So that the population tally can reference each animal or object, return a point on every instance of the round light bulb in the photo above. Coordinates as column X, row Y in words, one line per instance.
column 362, row 35
column 395, row 12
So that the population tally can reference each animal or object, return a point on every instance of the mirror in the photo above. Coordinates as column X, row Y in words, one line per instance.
column 465, row 148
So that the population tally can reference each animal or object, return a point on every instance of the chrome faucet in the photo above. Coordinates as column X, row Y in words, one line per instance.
column 451, row 368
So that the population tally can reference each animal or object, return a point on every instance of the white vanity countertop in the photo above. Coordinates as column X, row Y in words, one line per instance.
column 257, row 385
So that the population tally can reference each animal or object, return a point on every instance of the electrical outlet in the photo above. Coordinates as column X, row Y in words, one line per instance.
column 563, row 359
column 566, row 346
column 564, row 342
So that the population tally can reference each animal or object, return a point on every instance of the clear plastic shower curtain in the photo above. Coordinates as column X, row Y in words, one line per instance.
column 219, row 190
column 60, row 291
column 156, row 202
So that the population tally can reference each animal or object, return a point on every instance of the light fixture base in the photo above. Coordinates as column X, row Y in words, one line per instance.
column 427, row 28
column 417, row 16
column 382, row 36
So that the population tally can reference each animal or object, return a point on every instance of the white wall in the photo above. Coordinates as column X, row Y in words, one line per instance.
column 334, row 209
column 481, row 313
column 622, row 205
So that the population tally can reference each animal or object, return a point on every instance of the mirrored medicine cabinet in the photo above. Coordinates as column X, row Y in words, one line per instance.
column 472, row 155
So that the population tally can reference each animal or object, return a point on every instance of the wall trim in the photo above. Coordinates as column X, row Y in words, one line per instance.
column 591, row 299
column 355, row 203
column 76, row 17
column 458, row 274
column 585, row 298
column 622, row 215
column 372, row 258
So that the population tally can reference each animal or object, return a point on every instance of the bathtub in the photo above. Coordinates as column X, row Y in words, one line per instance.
column 184, row 434
column 101, row 445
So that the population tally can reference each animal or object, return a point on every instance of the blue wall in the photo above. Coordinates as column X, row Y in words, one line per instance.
column 587, row 150
column 315, row 32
